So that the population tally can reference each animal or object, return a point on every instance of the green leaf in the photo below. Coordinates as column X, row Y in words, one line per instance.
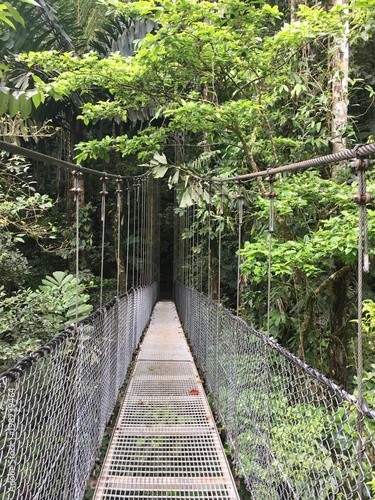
column 160, row 158
column 25, row 106
column 186, row 199
column 15, row 14
column 4, row 16
column 13, row 106
column 159, row 172
column 34, row 96
column 4, row 101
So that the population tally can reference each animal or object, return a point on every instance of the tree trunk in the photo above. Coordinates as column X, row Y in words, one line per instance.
column 293, row 10
column 339, row 70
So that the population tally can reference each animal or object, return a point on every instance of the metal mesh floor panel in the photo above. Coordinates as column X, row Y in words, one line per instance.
column 165, row 456
column 184, row 412
column 175, row 370
column 166, row 354
column 160, row 388
column 112, row 494
column 165, row 443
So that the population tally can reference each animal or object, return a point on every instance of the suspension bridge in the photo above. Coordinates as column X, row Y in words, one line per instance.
column 292, row 433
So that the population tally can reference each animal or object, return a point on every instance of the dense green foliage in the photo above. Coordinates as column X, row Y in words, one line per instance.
column 196, row 89
column 210, row 89
column 30, row 318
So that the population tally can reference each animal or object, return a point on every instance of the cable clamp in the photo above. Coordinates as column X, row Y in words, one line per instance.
column 78, row 172
column 271, row 194
column 119, row 184
column 362, row 199
column 271, row 178
column 361, row 164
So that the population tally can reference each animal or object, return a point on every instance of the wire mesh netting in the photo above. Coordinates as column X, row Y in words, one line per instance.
column 56, row 402
column 294, row 434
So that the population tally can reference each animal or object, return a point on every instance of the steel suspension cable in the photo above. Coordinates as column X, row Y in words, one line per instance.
column 347, row 154
column 128, row 205
column 209, row 242
column 76, row 190
column 271, row 195
column 134, row 233
column 138, row 240
column 187, row 243
column 221, row 211
column 140, row 235
column 187, row 251
column 362, row 198
column 103, row 194
column 182, row 247
column 198, row 253
column 119, row 221
column 240, row 222
column 144, row 235
column 176, row 239
column 193, row 249
column 359, row 348
column 200, row 245
column 148, row 233
column 18, row 150
column 191, row 245
column 150, row 230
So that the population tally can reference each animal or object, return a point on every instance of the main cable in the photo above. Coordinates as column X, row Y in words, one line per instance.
column 18, row 150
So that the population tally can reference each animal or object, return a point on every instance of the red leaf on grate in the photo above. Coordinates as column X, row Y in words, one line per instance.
column 194, row 392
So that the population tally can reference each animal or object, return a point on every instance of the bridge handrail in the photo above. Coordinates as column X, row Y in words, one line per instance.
column 293, row 432
column 56, row 402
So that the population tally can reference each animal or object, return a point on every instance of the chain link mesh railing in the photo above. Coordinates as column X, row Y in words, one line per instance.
column 56, row 402
column 293, row 433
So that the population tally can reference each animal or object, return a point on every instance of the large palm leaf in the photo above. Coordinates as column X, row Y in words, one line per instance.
column 44, row 28
column 63, row 25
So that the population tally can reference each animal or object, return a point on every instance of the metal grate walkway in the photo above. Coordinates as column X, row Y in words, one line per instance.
column 166, row 444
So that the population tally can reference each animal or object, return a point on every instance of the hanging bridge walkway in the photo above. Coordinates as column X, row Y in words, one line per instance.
column 291, row 432
column 165, row 441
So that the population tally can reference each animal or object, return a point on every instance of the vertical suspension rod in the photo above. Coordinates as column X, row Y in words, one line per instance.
column 119, row 216
column 76, row 190
column 240, row 222
column 362, row 198
column 103, row 194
